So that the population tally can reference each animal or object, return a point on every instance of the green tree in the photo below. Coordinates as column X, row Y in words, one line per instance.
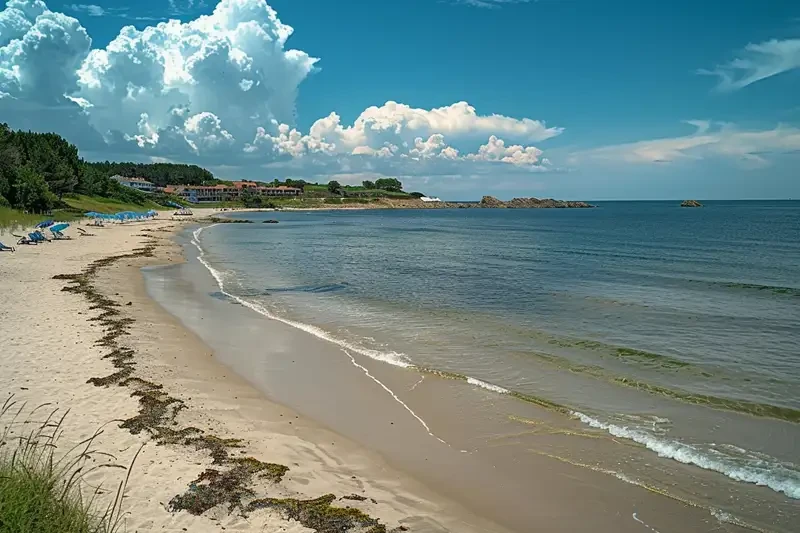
column 250, row 198
column 334, row 187
column 389, row 184
column 368, row 184
column 31, row 191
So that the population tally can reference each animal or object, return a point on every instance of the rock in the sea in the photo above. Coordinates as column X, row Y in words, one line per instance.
column 691, row 203
column 531, row 203
column 491, row 201
column 270, row 221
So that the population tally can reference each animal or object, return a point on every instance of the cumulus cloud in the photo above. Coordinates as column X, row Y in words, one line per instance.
column 222, row 88
column 752, row 147
column 757, row 62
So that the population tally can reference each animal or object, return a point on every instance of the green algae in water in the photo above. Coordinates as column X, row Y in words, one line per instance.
column 740, row 406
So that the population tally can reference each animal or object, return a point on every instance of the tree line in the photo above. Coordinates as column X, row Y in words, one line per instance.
column 38, row 169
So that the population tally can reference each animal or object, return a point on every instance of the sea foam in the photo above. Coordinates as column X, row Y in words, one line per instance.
column 487, row 386
column 779, row 477
column 392, row 358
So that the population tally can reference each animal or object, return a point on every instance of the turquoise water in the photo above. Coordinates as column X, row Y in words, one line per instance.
column 678, row 329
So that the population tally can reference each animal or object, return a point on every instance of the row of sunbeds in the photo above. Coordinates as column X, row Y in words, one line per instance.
column 37, row 237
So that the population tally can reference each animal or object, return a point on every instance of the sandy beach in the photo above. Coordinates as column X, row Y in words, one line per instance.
column 50, row 351
column 79, row 332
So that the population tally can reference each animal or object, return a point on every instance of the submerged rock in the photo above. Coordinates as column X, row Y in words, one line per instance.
column 270, row 221
column 691, row 203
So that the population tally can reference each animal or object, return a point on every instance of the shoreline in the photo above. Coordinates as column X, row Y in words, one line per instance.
column 178, row 378
column 338, row 383
column 146, row 370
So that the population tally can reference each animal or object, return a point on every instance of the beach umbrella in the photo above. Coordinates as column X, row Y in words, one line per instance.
column 59, row 227
column 45, row 224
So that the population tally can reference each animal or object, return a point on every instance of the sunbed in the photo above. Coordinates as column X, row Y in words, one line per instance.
column 4, row 248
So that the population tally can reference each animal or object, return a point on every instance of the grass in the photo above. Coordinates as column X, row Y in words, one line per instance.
column 78, row 204
column 106, row 205
column 14, row 219
column 42, row 491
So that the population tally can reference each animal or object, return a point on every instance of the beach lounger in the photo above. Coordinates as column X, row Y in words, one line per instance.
column 4, row 248
column 58, row 236
column 84, row 233
column 24, row 240
column 38, row 236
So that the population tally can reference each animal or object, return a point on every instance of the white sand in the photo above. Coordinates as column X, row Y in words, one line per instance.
column 48, row 352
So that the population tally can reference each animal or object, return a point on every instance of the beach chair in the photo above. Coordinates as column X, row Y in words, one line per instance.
column 38, row 236
column 24, row 240
column 83, row 233
column 4, row 248
column 57, row 232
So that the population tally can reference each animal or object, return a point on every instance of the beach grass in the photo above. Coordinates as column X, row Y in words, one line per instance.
column 84, row 203
column 13, row 219
column 42, row 490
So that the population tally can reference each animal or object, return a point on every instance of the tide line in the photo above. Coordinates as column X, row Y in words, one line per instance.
column 391, row 392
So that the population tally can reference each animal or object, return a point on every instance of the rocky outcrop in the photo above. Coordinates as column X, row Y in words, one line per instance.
column 491, row 201
column 530, row 203
column 691, row 203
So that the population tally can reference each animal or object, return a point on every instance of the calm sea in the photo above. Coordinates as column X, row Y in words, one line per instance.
column 677, row 329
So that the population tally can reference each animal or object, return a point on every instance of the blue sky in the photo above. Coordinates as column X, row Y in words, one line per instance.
column 564, row 98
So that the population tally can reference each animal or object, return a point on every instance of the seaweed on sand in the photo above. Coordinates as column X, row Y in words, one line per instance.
column 229, row 481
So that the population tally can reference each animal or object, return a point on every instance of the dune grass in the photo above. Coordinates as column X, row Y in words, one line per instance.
column 42, row 490
column 106, row 205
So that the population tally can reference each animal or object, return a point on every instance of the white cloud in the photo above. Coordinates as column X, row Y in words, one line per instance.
column 222, row 88
column 496, row 150
column 757, row 62
column 90, row 9
column 752, row 147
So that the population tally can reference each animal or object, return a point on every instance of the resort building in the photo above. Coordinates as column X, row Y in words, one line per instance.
column 140, row 184
column 228, row 193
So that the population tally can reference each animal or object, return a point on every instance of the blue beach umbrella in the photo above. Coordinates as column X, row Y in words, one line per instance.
column 59, row 227
column 45, row 224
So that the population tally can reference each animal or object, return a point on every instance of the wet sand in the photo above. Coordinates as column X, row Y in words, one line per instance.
column 529, row 470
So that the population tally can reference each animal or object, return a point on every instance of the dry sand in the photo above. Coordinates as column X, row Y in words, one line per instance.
column 49, row 349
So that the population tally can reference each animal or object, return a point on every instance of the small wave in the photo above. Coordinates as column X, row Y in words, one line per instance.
column 487, row 386
column 777, row 476
column 392, row 358
column 311, row 288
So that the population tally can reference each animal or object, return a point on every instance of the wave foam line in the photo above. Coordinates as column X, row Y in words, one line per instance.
column 391, row 358
column 487, row 386
column 651, row 528
column 687, row 454
column 391, row 392
column 719, row 515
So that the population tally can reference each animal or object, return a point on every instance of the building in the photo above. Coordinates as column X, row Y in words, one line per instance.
column 281, row 190
column 140, row 184
column 228, row 193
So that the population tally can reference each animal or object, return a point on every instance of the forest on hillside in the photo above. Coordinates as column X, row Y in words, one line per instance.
column 38, row 169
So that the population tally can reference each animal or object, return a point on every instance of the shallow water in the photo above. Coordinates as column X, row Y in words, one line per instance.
column 674, row 329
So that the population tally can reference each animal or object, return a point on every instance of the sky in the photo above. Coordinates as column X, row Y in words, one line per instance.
column 571, row 99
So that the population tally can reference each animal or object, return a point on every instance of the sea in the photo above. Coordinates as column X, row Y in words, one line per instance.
column 674, row 332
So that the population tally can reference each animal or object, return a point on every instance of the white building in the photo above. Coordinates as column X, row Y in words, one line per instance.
column 139, row 184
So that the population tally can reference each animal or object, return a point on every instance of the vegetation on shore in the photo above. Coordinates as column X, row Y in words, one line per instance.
column 42, row 491
column 42, row 173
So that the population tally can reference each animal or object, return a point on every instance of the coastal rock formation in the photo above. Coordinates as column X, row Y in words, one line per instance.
column 491, row 201
column 530, row 203
column 691, row 203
